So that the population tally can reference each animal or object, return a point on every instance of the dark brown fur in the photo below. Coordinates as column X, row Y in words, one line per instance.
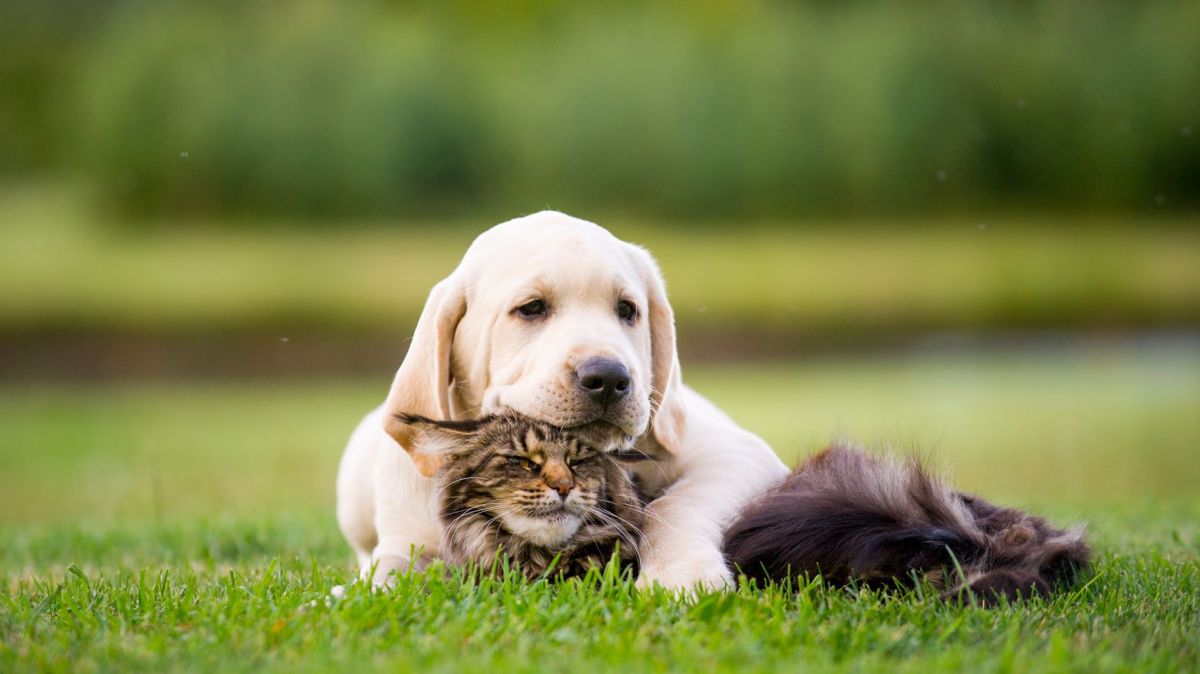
column 852, row 517
column 501, row 484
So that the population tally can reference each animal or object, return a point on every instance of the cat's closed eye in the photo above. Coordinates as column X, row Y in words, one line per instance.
column 522, row 462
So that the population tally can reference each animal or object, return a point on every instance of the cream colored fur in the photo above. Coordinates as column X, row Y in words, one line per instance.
column 472, row 354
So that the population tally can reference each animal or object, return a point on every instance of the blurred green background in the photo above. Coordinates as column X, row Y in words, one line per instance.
column 969, row 228
column 695, row 110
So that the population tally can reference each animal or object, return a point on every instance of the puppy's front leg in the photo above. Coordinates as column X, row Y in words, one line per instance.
column 681, row 549
column 724, row 469
column 385, row 565
column 405, row 519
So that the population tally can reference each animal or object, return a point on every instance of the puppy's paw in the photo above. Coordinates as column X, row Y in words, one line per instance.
column 387, row 567
column 687, row 574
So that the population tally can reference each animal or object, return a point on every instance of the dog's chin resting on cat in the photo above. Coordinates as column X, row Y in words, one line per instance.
column 852, row 517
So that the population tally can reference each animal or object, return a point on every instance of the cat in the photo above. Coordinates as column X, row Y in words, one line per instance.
column 856, row 518
column 535, row 494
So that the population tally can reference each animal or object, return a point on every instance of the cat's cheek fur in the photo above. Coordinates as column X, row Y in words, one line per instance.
column 580, row 500
column 542, row 531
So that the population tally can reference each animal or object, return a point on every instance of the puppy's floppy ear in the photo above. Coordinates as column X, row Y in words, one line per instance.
column 429, row 439
column 669, row 411
column 422, row 384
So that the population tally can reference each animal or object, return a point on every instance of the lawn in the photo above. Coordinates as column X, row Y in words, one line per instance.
column 176, row 526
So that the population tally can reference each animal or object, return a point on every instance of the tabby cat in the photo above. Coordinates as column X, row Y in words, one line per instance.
column 534, row 493
column 853, row 517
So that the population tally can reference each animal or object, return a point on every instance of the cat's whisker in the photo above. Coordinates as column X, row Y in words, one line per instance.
column 441, row 489
column 483, row 560
column 610, row 515
column 647, row 512
column 616, row 522
column 486, row 508
column 623, row 528
column 450, row 527
column 612, row 518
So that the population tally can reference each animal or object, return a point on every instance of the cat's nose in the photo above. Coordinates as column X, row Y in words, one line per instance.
column 563, row 484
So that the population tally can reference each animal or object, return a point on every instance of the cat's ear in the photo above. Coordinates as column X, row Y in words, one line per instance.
column 430, row 438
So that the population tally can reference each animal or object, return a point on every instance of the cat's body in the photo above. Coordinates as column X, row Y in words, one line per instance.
column 853, row 517
column 532, row 493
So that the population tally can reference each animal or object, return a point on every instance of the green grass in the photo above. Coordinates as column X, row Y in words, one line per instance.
column 182, row 526
column 66, row 272
column 1139, row 614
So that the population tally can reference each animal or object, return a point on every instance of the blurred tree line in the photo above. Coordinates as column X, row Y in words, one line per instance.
column 710, row 108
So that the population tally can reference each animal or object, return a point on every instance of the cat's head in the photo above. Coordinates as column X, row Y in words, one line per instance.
column 539, row 481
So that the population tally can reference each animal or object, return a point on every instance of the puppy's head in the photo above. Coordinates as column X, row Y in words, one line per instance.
column 553, row 318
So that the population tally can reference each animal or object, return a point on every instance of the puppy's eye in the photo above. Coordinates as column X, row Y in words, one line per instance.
column 626, row 310
column 532, row 309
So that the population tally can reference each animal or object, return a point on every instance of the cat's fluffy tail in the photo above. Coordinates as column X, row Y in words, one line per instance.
column 853, row 517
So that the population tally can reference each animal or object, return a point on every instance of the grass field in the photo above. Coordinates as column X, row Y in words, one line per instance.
column 177, row 526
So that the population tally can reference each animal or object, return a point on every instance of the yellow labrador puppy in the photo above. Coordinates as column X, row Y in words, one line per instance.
column 554, row 318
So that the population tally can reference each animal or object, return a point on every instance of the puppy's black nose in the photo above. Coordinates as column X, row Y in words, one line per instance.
column 606, row 380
